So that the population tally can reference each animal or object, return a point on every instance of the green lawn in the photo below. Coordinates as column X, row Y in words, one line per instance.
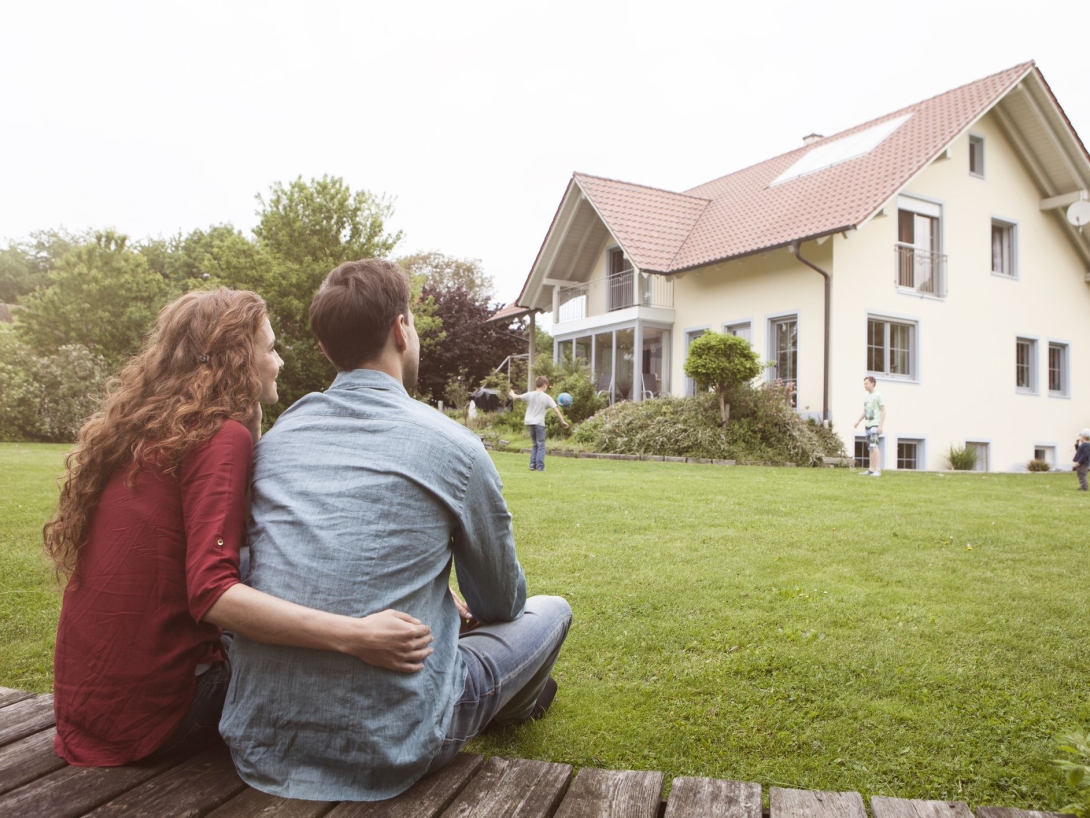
column 793, row 627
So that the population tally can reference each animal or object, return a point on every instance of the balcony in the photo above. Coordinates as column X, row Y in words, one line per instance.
column 920, row 270
column 614, row 292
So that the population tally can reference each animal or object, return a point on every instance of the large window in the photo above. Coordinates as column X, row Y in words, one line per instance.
column 784, row 342
column 891, row 348
column 1057, row 370
column 1004, row 249
column 921, row 265
column 976, row 155
column 909, row 454
column 1025, row 365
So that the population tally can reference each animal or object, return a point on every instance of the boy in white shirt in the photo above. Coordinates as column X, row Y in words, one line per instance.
column 538, row 403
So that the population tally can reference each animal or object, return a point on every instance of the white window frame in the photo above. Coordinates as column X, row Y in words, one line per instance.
column 913, row 375
column 773, row 369
column 1065, row 369
column 691, row 335
column 1011, row 230
column 935, row 250
column 734, row 327
column 1031, row 365
column 979, row 140
column 983, row 453
column 919, row 443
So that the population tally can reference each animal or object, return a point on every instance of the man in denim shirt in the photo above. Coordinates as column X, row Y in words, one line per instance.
column 362, row 499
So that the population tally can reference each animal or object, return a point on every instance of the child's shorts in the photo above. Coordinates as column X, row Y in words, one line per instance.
column 872, row 437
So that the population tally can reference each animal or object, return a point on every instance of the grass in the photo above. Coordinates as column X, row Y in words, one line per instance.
column 793, row 627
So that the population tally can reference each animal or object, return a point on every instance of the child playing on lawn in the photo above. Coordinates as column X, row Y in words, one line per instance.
column 1082, row 457
column 539, row 402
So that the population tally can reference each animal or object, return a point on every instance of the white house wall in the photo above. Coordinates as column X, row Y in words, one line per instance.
column 965, row 384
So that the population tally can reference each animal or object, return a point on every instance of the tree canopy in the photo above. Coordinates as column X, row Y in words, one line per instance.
column 722, row 362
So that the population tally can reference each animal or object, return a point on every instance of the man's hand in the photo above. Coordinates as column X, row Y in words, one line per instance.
column 389, row 639
column 468, row 620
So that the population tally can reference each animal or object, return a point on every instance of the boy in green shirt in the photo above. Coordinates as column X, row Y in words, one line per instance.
column 874, row 413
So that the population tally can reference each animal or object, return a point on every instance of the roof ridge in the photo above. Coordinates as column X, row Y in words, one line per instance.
column 576, row 174
column 874, row 121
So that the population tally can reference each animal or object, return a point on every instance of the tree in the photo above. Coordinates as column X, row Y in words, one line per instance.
column 722, row 362
column 305, row 230
column 440, row 272
column 101, row 295
column 25, row 266
column 468, row 345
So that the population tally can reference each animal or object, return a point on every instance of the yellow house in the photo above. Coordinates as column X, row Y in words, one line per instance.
column 938, row 248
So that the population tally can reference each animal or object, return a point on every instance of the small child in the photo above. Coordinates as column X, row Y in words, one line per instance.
column 539, row 403
column 1082, row 457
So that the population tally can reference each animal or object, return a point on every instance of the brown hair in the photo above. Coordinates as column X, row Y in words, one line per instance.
column 195, row 371
column 353, row 310
column 541, row 381
column 871, row 379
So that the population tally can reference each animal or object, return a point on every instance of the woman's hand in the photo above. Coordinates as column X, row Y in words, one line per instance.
column 389, row 639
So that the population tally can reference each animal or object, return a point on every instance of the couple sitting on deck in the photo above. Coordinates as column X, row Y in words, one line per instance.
column 353, row 669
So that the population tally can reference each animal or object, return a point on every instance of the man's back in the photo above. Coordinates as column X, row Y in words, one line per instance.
column 361, row 498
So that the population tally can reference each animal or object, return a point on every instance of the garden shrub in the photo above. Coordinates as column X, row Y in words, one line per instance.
column 1039, row 465
column 764, row 428
column 1076, row 768
column 963, row 459
column 47, row 397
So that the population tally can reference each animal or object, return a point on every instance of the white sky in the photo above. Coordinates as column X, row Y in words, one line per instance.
column 160, row 117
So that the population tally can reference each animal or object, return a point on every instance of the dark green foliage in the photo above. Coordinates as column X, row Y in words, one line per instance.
column 722, row 362
column 25, row 266
column 764, row 428
column 585, row 403
column 1075, row 765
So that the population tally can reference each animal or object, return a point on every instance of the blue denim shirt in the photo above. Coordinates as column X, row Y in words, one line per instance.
column 362, row 496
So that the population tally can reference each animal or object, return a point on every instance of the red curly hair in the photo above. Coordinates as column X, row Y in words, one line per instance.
column 196, row 370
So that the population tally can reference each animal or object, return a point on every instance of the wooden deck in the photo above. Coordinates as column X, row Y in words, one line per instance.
column 34, row 782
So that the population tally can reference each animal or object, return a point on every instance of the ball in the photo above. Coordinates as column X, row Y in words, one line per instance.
column 564, row 399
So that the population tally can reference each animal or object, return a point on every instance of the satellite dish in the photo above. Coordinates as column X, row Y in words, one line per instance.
column 1079, row 214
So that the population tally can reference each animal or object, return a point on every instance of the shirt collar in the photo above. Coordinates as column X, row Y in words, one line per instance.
column 366, row 379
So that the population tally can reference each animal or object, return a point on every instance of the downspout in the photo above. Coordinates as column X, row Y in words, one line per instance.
column 828, row 306
column 532, row 352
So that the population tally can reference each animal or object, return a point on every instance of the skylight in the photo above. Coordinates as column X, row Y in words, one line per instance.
column 842, row 150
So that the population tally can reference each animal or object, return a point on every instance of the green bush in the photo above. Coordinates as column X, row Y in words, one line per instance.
column 585, row 403
column 963, row 459
column 1039, row 465
column 764, row 428
column 47, row 397
column 1076, row 769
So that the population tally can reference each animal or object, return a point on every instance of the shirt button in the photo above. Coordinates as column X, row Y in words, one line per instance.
column 219, row 542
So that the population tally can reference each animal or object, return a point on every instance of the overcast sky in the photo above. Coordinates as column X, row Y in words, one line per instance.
column 160, row 117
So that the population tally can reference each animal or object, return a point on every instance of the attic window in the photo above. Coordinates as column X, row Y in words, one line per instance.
column 842, row 150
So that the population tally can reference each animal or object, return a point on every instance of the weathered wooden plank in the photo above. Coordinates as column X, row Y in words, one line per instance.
column 613, row 794
column 251, row 803
column 712, row 798
column 1008, row 812
column 785, row 803
column 424, row 799
column 72, row 791
column 194, row 787
column 9, row 696
column 28, row 716
column 512, row 788
column 884, row 807
column 27, row 759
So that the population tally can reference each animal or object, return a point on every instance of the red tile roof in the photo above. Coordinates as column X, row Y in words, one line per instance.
column 742, row 213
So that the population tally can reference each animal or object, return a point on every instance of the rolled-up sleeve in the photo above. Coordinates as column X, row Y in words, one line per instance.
column 489, row 575
column 214, row 482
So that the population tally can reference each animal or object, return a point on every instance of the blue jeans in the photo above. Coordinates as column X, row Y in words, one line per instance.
column 508, row 664
column 537, row 453
column 200, row 727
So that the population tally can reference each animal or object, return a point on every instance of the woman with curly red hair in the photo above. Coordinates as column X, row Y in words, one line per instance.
column 151, row 518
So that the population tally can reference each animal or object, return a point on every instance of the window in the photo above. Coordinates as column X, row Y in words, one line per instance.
column 1025, row 365
column 862, row 452
column 1045, row 453
column 621, row 281
column 976, row 155
column 921, row 265
column 1057, row 370
column 1003, row 249
column 909, row 454
column 891, row 348
column 742, row 330
column 784, row 339
column 981, row 450
column 690, row 336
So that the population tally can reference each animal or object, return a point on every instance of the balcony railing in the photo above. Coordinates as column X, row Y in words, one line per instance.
column 920, row 270
column 615, row 292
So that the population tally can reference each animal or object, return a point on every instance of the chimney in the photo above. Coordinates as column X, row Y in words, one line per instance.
column 810, row 139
